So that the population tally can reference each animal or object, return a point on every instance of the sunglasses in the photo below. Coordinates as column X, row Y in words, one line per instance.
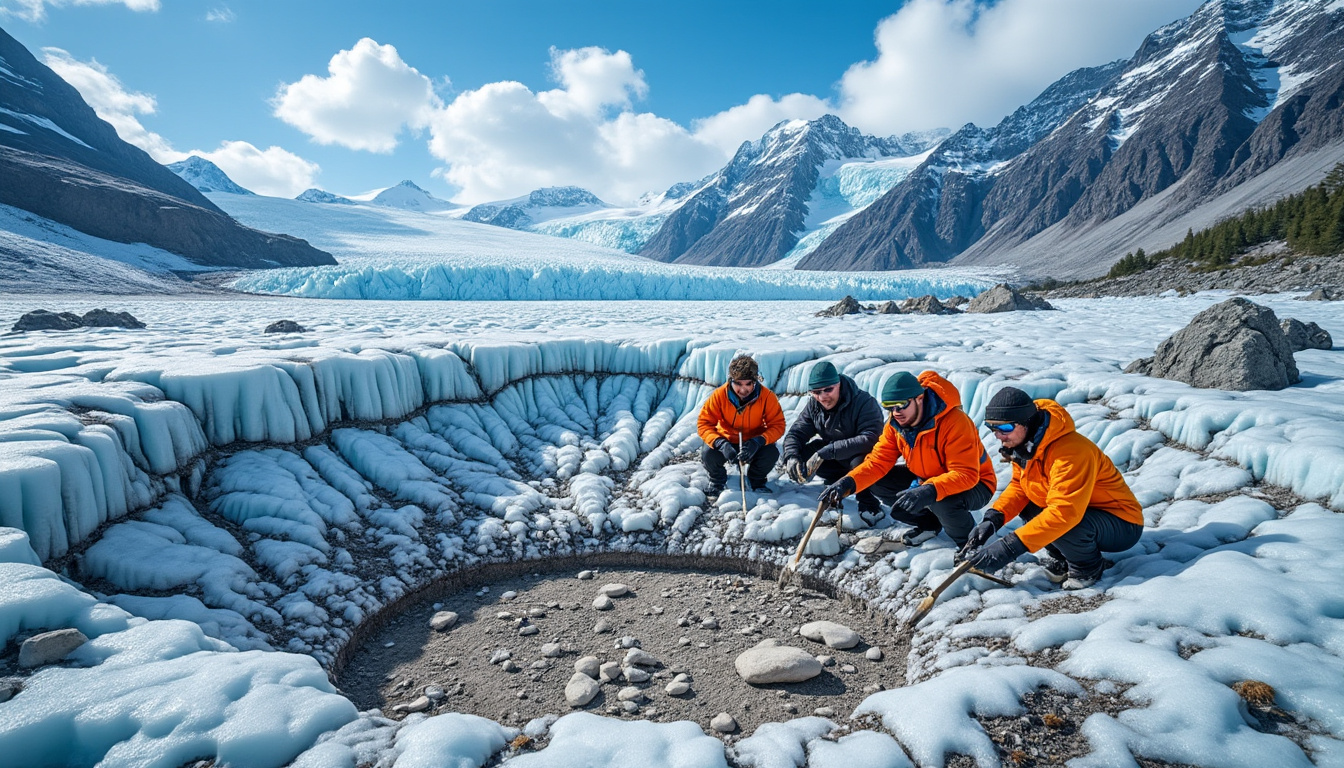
column 1002, row 429
column 898, row 405
column 825, row 390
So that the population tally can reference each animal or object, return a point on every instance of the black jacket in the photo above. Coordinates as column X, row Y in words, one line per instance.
column 848, row 430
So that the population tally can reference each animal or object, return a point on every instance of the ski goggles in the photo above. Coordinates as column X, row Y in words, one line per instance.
column 897, row 405
column 1002, row 428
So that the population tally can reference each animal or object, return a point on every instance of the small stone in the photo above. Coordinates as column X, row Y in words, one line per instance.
column 580, row 690
column 49, row 647
column 678, row 688
column 873, row 688
column 434, row 692
column 683, row 641
column 528, row 629
column 824, row 712
column 443, row 621
column 500, row 655
column 792, row 709
column 8, row 690
column 540, row 664
column 826, row 661
column 601, row 627
column 873, row 654
column 418, row 705
column 609, row 672
column 614, row 590
column 832, row 634
column 702, row 645
column 710, row 623
column 681, row 677
column 629, row 707
column 629, row 693
column 552, row 650
column 657, row 610
column 585, row 575
column 848, row 668
column 683, row 622
column 603, row 603
column 508, row 595
column 509, row 666
column 388, row 644
column 521, row 694
column 505, row 616
column 635, row 674
column 723, row 723
column 627, row 642
column 536, row 613
column 588, row 665
column 640, row 658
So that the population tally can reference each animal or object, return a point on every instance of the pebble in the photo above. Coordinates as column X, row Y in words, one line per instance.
column 848, row 668
column 678, row 688
column 681, row 677
column 508, row 595
column 552, row 650
column 614, row 590
column 640, row 658
column 824, row 712
column 500, row 655
column 702, row 645
column 529, row 629
column 826, row 661
column 635, row 675
column 609, row 672
column 8, row 689
column 683, row 641
column 629, row 707
column 434, row 692
column 773, row 662
column 536, row 613
column 601, row 627
column 540, row 664
column 832, row 634
column 504, row 615
column 442, row 621
column 388, row 644
column 629, row 693
column 585, row 575
column 723, row 723
column 873, row 654
column 710, row 623
column 420, row 704
column 874, row 688
column 521, row 694
column 627, row 642
column 792, row 709
column 49, row 647
column 603, row 603
column 588, row 665
column 580, row 690
column 509, row 666
column 683, row 622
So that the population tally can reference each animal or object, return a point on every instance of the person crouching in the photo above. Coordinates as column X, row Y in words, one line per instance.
column 742, row 412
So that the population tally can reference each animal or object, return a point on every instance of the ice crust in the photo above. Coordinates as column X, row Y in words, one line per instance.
column 280, row 492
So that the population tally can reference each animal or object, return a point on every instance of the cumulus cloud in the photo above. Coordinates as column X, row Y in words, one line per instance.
column 949, row 62
column 273, row 171
column 729, row 128
column 368, row 98
column 221, row 15
column 36, row 10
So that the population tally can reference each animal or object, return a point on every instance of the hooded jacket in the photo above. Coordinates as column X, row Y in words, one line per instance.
column 1063, row 474
column 759, row 414
column 849, row 429
column 943, row 450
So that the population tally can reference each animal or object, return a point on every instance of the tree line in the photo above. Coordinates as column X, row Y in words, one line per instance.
column 1311, row 221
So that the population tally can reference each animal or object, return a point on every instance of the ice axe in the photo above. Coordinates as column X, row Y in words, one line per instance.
column 962, row 569
column 741, row 473
column 792, row 565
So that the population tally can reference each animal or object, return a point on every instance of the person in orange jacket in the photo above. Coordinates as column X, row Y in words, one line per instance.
column 947, row 472
column 742, row 412
column 1074, row 502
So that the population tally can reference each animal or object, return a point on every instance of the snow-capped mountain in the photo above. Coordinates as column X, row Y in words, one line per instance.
column 206, row 176
column 755, row 209
column 536, row 207
column 315, row 195
column 407, row 196
column 1232, row 107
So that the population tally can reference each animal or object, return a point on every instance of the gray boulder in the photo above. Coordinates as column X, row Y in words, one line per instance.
column 42, row 320
column 580, row 690
column 285, row 326
column 772, row 662
column 1236, row 345
column 846, row 306
column 926, row 305
column 832, row 634
column 1320, row 294
column 1005, row 298
column 956, row 301
column 1305, row 335
column 49, row 647
column 101, row 318
column 9, row 689
column 888, row 308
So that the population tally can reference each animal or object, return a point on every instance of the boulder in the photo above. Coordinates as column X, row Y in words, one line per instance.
column 1320, row 294
column 955, row 301
column 888, row 308
column 442, row 621
column 580, row 690
column 770, row 661
column 10, row 688
column 1005, row 298
column 832, row 634
column 614, row 590
column 588, row 665
column 926, row 305
column 1305, row 335
column 285, row 326
column 1143, row 366
column 723, row 723
column 1236, row 345
column 42, row 320
column 49, row 647
column 846, row 306
column 101, row 318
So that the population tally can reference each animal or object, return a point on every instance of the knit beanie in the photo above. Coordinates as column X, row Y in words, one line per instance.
column 902, row 386
column 1010, row 404
column 823, row 374
column 743, row 367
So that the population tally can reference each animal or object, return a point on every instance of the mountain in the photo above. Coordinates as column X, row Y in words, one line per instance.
column 752, row 211
column 1238, row 104
column 315, row 195
column 537, row 206
column 407, row 196
column 59, row 160
column 206, row 176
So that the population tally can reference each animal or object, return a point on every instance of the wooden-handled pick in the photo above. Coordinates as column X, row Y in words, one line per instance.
column 926, row 604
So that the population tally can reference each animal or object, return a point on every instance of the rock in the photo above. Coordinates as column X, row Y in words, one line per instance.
column 609, row 672
column 101, row 318
column 681, row 677
column 824, row 712
column 1236, row 345
column 678, row 688
column 640, row 658
column 500, row 655
column 528, row 630
column 635, row 674
column 710, row 623
column 832, row 634
column 888, row 308
column 629, row 693
column 536, row 613
column 442, row 621
column 509, row 666
column 551, row 650
column 580, row 690
column 509, row 595
column 505, row 615
column 601, row 627
column 627, row 642
column 614, row 590
column 585, row 575
column 683, row 641
column 956, row 301
column 420, row 704
column 42, row 320
column 285, row 326
column 926, row 305
column 49, row 647
column 848, row 668
column 9, row 689
column 826, row 661
column 873, row 654
column 723, row 723
column 435, row 693
column 629, row 707
column 1143, row 366
column 846, row 306
column 1320, row 294
column 772, row 662
column 1305, row 335
column 603, row 603
column 1005, row 298
column 588, row 665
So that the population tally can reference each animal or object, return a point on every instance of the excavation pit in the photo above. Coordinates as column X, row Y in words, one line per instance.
column 695, row 623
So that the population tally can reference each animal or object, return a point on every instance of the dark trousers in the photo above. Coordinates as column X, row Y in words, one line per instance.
column 831, row 470
column 1081, row 546
column 757, row 470
column 951, row 514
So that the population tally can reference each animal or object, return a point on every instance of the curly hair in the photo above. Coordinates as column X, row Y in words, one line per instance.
column 743, row 367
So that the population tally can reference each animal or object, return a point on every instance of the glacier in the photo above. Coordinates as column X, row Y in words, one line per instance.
column 244, row 503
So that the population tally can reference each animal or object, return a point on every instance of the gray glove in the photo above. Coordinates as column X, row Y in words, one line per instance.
column 813, row 464
column 794, row 469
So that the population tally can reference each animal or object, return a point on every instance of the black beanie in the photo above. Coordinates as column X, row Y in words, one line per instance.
column 1010, row 404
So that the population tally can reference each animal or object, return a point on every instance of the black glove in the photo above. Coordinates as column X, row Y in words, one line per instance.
column 982, row 533
column 750, row 448
column 837, row 491
column 794, row 469
column 997, row 553
column 728, row 450
column 913, row 500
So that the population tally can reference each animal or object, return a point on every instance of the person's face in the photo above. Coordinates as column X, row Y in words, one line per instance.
column 827, row 397
column 907, row 414
column 743, row 387
column 1010, row 438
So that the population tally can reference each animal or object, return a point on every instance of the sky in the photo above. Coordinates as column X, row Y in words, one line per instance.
column 479, row 101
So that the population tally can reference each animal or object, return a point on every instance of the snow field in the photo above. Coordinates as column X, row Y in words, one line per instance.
column 569, row 444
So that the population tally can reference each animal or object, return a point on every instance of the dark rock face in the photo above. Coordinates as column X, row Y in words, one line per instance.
column 888, row 308
column 926, row 305
column 42, row 320
column 1236, row 345
column 846, row 306
column 60, row 161
column 1005, row 298
column 1305, row 335
column 285, row 326
column 1320, row 294
column 315, row 195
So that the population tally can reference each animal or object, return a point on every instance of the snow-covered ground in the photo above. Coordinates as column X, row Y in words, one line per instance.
column 219, row 509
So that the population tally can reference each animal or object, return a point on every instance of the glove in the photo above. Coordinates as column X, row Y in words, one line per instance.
column 837, row 491
column 982, row 533
column 997, row 553
column 913, row 500
column 728, row 450
column 814, row 463
column 750, row 448
column 794, row 469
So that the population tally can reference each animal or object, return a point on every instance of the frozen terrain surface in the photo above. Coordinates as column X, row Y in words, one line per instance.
column 219, row 510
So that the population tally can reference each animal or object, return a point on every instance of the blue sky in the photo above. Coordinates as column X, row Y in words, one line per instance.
column 484, row 100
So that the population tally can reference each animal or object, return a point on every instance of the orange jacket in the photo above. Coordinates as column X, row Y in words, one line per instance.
column 947, row 453
column 720, row 418
column 1067, row 474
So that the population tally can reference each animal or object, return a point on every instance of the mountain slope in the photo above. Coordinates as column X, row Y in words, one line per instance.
column 205, row 176
column 536, row 207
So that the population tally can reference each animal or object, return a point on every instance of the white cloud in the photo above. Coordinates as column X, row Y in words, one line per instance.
column 949, row 62
column 592, row 81
column 273, row 171
column 36, row 10
column 369, row 97
column 729, row 128
column 220, row 15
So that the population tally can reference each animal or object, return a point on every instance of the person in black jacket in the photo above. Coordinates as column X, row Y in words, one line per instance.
column 835, row 431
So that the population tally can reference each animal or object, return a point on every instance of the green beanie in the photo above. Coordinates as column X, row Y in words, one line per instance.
column 823, row 375
column 902, row 386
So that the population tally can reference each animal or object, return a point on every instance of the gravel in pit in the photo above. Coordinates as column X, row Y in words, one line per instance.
column 695, row 624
